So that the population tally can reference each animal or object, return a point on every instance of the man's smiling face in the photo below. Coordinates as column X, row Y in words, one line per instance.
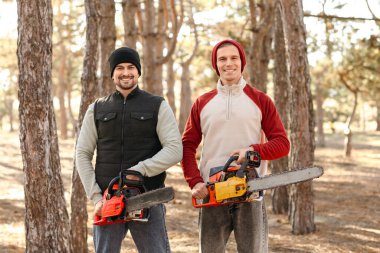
column 228, row 63
column 125, row 76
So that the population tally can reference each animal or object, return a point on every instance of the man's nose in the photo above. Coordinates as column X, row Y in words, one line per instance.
column 125, row 71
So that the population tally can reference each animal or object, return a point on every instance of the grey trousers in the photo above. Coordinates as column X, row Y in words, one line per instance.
column 148, row 236
column 247, row 220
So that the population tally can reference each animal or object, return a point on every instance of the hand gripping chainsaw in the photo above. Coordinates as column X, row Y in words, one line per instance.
column 125, row 200
column 233, row 184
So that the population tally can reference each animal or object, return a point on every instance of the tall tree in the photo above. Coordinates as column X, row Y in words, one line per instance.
column 89, row 85
column 261, row 17
column 107, row 37
column 186, row 101
column 280, row 195
column 153, row 23
column 170, row 81
column 301, row 208
column 47, row 229
column 129, row 21
column 62, row 70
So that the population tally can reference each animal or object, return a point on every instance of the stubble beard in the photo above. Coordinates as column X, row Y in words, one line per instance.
column 126, row 85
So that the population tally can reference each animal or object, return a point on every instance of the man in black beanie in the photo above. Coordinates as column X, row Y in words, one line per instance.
column 130, row 129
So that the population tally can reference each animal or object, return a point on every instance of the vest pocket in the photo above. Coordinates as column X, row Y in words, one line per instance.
column 107, row 117
column 107, row 124
column 142, row 115
column 142, row 124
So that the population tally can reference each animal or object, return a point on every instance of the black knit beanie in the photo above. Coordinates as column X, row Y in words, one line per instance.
column 122, row 55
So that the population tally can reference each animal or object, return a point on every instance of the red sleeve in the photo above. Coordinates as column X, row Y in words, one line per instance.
column 191, row 138
column 278, row 144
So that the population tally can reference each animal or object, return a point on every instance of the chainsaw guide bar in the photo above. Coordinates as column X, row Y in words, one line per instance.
column 284, row 178
column 149, row 199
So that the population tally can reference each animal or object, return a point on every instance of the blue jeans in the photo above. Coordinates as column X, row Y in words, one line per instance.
column 247, row 220
column 148, row 236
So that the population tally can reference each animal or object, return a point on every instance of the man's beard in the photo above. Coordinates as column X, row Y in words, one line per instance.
column 126, row 86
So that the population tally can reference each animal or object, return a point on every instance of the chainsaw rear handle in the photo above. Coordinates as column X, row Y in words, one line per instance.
column 228, row 163
column 211, row 201
column 255, row 161
column 129, row 182
column 122, row 180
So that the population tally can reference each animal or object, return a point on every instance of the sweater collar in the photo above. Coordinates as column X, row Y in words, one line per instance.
column 235, row 89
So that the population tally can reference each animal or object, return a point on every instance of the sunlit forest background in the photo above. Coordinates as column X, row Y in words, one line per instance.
column 343, row 51
column 319, row 60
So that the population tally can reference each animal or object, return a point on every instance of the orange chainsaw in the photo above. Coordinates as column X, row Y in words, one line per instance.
column 125, row 200
column 238, row 184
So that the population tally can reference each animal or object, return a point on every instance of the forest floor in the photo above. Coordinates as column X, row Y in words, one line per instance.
column 347, row 202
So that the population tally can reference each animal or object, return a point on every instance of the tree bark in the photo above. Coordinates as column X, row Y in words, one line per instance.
column 320, row 113
column 170, row 94
column 259, row 53
column 62, row 76
column 343, row 76
column 8, row 103
column 378, row 115
column 153, row 27
column 185, row 97
column 46, row 217
column 89, row 84
column 107, row 36
column 186, row 101
column 280, row 195
column 301, row 207
column 130, row 28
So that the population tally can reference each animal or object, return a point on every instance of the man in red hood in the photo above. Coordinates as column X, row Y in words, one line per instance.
column 231, row 119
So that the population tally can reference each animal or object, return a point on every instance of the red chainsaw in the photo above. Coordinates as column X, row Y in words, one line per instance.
column 125, row 200
column 238, row 184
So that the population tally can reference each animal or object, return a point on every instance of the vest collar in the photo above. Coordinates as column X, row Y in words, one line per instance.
column 134, row 92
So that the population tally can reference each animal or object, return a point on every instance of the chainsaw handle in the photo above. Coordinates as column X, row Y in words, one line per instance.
column 137, row 183
column 114, row 181
column 256, row 158
column 198, row 205
column 228, row 163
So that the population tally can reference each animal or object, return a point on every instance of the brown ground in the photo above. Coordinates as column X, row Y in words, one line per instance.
column 347, row 202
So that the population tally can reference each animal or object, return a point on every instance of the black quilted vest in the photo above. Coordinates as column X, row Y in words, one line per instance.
column 126, row 135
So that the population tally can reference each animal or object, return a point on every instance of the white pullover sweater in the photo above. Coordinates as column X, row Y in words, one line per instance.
column 229, row 118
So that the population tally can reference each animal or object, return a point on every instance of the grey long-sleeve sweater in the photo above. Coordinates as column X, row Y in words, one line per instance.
column 169, row 155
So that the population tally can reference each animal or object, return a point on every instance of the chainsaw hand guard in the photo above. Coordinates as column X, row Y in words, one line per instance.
column 228, row 184
column 116, row 199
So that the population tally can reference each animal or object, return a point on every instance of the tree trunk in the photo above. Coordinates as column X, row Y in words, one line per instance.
column 89, row 84
column 72, row 119
column 280, row 195
column 261, row 40
column 153, row 27
column 170, row 95
column 185, row 97
column 61, row 93
column 149, row 54
column 301, row 207
column 8, row 102
column 378, row 115
column 107, row 35
column 320, row 113
column 46, row 217
column 348, row 132
column 130, row 29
